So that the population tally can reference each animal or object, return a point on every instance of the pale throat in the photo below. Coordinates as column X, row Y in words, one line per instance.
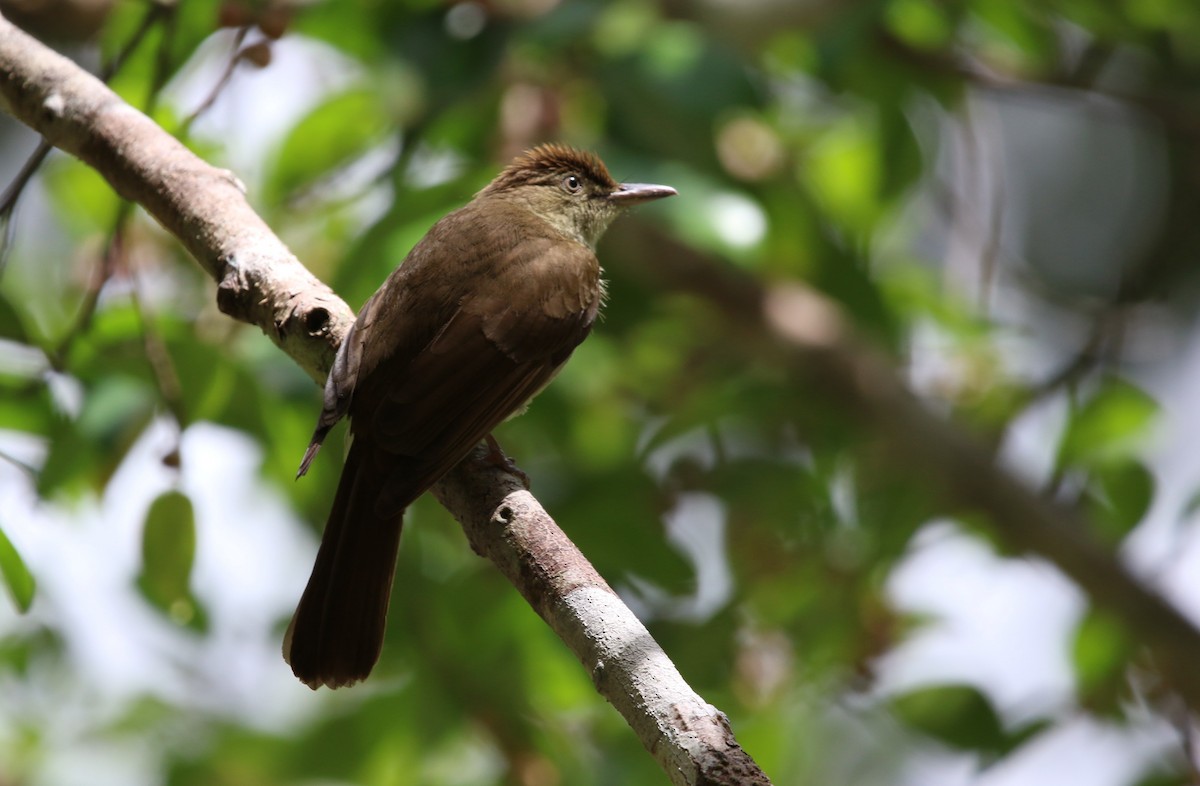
column 582, row 222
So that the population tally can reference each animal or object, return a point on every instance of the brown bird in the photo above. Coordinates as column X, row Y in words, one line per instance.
column 481, row 315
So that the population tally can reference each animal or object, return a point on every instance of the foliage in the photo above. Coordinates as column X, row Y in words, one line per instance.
column 1001, row 193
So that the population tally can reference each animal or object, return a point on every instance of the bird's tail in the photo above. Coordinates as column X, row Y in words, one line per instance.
column 336, row 633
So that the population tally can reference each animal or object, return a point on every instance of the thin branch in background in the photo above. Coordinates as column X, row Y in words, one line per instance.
column 990, row 253
column 101, row 274
column 1102, row 348
column 1173, row 109
column 12, row 194
column 8, row 202
column 972, row 180
column 154, row 12
column 114, row 259
column 162, row 61
column 1187, row 738
column 235, row 57
column 994, row 199
column 1091, row 63
column 29, row 470
column 114, row 256
column 1090, row 356
column 1175, row 710
column 947, row 199
column 967, row 223
column 159, row 358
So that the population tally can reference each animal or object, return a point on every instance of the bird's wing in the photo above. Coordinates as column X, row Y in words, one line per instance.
column 503, row 343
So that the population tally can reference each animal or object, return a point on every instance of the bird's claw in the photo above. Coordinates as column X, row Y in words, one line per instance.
column 496, row 457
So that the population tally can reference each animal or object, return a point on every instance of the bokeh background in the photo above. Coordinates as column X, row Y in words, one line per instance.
column 1003, row 195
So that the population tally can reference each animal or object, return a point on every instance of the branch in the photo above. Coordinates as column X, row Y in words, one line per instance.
column 1174, row 111
column 259, row 281
column 793, row 327
column 503, row 522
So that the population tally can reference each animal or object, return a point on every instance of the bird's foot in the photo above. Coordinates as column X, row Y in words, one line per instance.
column 496, row 457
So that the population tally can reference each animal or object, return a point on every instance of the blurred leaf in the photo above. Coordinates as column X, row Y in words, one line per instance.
column 86, row 202
column 1191, row 506
column 335, row 133
column 26, row 408
column 12, row 324
column 85, row 451
column 1013, row 30
column 1101, row 654
column 1167, row 779
column 688, row 79
column 168, row 550
column 957, row 715
column 1121, row 494
column 903, row 163
column 844, row 170
column 1108, row 426
column 921, row 23
column 17, row 578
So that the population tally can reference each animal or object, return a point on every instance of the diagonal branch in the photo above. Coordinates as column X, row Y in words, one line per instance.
column 259, row 281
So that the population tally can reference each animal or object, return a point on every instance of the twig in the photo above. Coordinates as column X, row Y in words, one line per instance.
column 159, row 358
column 503, row 522
column 154, row 12
column 19, row 464
column 57, row 357
column 235, row 57
column 8, row 202
column 216, row 225
column 1173, row 111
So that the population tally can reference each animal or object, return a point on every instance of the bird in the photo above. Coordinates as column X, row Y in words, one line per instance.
column 479, row 317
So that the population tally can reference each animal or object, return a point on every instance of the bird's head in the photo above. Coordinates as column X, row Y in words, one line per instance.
column 571, row 189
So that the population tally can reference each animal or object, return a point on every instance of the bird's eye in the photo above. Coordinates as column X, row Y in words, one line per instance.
column 572, row 183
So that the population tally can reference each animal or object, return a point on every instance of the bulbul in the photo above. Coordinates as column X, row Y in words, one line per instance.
column 479, row 317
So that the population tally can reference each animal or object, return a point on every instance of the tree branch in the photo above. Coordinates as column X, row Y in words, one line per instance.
column 503, row 522
column 259, row 281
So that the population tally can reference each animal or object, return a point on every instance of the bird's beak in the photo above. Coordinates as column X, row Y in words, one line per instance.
column 633, row 193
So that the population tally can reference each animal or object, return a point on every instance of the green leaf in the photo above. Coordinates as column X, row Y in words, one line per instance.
column 844, row 171
column 1018, row 28
column 17, row 578
column 89, row 449
column 86, row 202
column 1166, row 779
column 922, row 23
column 1109, row 426
column 1101, row 654
column 332, row 135
column 12, row 324
column 1120, row 494
column 957, row 715
column 168, row 549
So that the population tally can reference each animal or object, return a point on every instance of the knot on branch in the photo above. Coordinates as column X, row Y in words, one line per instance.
column 233, row 292
column 316, row 321
column 53, row 107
